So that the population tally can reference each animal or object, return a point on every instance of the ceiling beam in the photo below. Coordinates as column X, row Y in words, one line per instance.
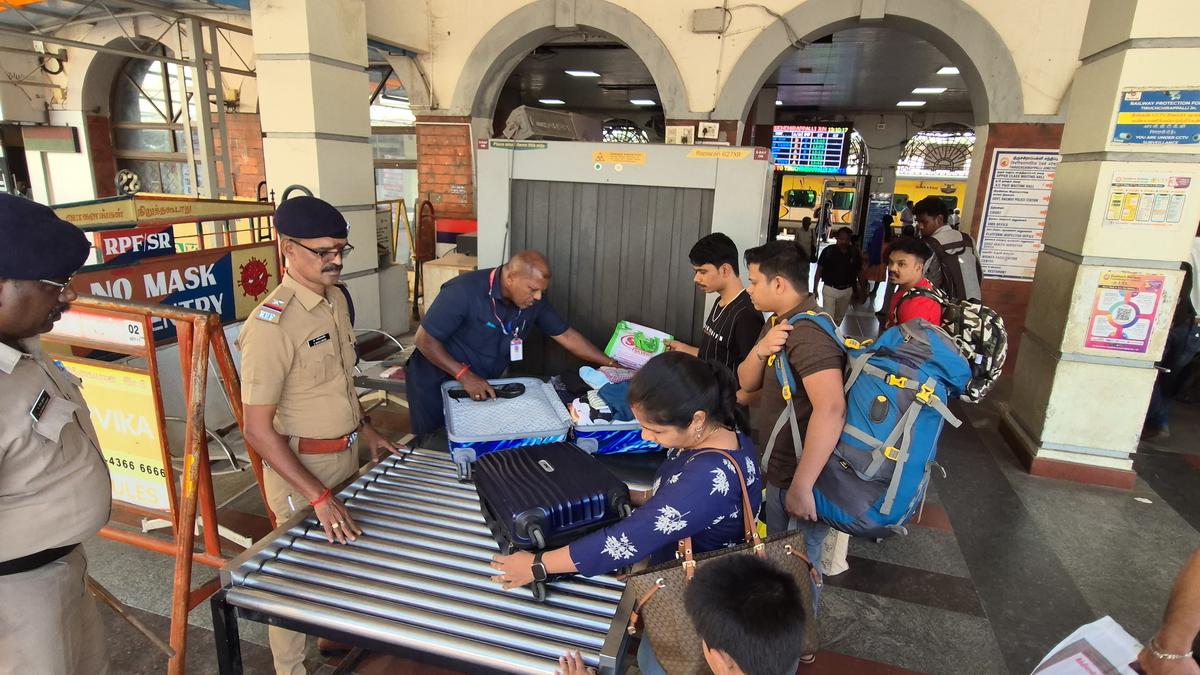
column 173, row 13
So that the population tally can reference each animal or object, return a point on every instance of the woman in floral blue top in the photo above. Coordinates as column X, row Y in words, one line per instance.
column 687, row 405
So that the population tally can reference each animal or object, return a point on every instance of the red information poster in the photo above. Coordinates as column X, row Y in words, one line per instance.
column 1123, row 313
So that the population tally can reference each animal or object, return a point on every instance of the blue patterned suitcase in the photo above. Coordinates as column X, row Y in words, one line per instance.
column 612, row 439
column 475, row 428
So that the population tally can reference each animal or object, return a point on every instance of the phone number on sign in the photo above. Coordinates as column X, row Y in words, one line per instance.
column 122, row 463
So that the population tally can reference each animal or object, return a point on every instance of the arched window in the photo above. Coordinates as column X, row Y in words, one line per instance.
column 147, row 121
column 942, row 151
column 624, row 131
column 856, row 158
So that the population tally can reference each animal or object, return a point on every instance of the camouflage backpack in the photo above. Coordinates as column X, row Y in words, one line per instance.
column 978, row 332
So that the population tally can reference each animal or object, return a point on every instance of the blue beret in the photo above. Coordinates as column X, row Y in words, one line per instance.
column 35, row 243
column 310, row 218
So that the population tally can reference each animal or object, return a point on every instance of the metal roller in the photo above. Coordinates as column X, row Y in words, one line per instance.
column 410, row 462
column 466, row 490
column 426, row 519
column 410, row 492
column 401, row 527
column 419, row 578
column 443, row 623
column 418, row 505
column 577, row 585
column 405, row 604
column 432, row 455
column 476, row 576
column 304, row 563
column 392, row 632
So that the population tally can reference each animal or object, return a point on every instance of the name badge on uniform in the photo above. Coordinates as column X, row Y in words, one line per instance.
column 39, row 406
column 516, row 349
column 318, row 340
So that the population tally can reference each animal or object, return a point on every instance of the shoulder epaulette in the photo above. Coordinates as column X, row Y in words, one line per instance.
column 272, row 308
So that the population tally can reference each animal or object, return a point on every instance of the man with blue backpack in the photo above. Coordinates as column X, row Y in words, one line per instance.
column 778, row 274
column 849, row 430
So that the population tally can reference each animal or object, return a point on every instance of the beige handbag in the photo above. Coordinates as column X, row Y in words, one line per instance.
column 659, row 590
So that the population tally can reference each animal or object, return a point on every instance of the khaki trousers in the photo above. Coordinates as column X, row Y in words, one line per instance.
column 49, row 622
column 836, row 302
column 287, row 647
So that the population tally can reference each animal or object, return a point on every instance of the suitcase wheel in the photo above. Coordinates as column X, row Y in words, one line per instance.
column 539, row 591
column 538, row 538
column 622, row 507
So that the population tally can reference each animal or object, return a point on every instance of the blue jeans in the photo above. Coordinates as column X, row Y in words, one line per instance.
column 778, row 520
column 647, row 659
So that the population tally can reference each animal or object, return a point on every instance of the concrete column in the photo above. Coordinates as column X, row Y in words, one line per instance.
column 311, row 57
column 1079, row 400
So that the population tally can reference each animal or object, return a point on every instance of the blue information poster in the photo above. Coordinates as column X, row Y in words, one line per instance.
column 1158, row 117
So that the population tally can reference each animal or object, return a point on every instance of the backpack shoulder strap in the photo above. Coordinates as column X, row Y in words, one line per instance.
column 349, row 300
column 787, row 381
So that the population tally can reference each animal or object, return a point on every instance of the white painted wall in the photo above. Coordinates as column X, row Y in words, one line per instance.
column 1043, row 38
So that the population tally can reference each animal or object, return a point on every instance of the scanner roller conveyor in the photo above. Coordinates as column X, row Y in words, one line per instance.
column 416, row 583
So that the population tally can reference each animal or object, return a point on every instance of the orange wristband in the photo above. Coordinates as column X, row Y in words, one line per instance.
column 465, row 368
column 324, row 495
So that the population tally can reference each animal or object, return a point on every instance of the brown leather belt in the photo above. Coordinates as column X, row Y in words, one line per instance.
column 325, row 446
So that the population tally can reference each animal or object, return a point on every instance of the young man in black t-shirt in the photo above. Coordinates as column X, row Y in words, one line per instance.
column 733, row 324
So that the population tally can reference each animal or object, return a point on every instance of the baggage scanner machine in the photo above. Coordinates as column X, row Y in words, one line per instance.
column 616, row 222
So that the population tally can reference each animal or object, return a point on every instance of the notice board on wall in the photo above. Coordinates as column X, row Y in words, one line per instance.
column 1014, row 212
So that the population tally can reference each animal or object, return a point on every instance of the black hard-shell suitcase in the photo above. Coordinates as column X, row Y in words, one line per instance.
column 544, row 496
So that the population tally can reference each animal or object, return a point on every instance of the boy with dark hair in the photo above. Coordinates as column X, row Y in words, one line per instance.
column 779, row 284
column 749, row 614
column 906, row 269
column 733, row 324
column 954, row 266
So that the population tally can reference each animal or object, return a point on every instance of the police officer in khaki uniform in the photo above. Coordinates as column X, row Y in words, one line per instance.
column 54, row 486
column 301, row 410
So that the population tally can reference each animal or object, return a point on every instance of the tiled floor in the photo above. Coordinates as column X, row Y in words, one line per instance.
column 1001, row 566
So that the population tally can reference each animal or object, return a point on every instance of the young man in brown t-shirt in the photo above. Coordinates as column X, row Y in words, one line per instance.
column 778, row 273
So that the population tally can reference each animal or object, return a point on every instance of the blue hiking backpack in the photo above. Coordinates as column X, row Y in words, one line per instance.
column 896, row 389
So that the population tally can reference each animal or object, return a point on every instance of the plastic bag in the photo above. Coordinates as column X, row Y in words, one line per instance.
column 632, row 344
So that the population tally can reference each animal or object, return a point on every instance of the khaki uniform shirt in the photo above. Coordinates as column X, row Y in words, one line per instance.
column 298, row 355
column 54, row 485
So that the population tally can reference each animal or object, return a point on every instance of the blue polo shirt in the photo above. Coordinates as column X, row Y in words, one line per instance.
column 473, row 321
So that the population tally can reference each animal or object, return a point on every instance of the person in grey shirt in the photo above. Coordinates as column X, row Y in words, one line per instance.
column 954, row 267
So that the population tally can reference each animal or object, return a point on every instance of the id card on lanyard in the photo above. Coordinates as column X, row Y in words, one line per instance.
column 516, row 346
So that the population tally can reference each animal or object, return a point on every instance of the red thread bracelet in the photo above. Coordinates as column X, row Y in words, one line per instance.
column 324, row 495
column 465, row 368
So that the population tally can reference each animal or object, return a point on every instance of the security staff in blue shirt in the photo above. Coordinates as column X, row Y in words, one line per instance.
column 476, row 327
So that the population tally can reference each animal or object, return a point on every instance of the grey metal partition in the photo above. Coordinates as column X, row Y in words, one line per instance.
column 618, row 252
column 616, row 222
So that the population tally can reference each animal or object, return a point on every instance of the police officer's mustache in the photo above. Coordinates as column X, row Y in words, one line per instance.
column 331, row 268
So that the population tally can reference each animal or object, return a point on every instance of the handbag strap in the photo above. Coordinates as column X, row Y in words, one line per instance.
column 748, row 522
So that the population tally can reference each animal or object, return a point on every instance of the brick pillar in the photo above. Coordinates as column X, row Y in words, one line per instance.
column 1010, row 298
column 445, row 171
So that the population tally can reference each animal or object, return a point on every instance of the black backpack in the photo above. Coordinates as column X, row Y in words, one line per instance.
column 957, row 261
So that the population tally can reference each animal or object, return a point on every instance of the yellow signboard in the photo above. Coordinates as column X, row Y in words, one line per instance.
column 145, row 209
column 720, row 153
column 615, row 157
column 125, row 413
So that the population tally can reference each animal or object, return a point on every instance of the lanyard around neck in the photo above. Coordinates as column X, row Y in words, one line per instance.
column 506, row 328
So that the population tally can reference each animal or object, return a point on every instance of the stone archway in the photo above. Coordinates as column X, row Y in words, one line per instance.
column 961, row 33
column 510, row 40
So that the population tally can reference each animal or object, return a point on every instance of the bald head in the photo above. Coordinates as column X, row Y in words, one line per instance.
column 526, row 277
column 529, row 263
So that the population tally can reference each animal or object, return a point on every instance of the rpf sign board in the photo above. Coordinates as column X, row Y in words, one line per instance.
column 228, row 282
column 125, row 246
